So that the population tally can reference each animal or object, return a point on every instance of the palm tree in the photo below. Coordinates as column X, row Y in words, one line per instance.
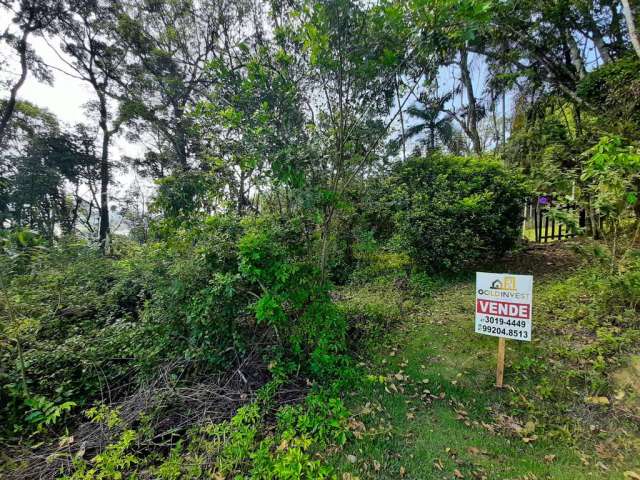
column 439, row 129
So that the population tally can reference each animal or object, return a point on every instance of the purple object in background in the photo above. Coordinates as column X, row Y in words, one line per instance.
column 543, row 200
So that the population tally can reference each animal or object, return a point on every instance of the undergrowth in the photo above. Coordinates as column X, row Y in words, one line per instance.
column 262, row 440
column 430, row 404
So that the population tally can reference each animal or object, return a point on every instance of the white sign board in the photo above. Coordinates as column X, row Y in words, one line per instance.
column 503, row 305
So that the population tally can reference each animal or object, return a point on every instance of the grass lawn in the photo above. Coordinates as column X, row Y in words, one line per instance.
column 429, row 408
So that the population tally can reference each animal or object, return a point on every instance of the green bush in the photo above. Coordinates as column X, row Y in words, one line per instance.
column 80, row 321
column 293, row 299
column 452, row 211
column 84, row 321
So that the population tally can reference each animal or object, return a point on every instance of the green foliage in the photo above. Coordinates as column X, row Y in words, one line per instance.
column 115, row 462
column 247, row 446
column 274, row 181
column 586, row 332
column 321, row 417
column 293, row 300
column 58, row 301
column 44, row 412
column 83, row 319
column 172, row 467
column 424, row 285
column 379, row 265
column 320, row 422
column 610, row 174
column 546, row 140
column 595, row 325
column 610, row 179
column 101, row 413
column 623, row 292
column 184, row 198
column 232, row 442
column 614, row 89
column 41, row 163
column 453, row 211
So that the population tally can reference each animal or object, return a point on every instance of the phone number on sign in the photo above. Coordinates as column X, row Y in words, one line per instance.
column 503, row 322
column 504, row 331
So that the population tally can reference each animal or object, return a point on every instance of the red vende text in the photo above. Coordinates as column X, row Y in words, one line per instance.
column 504, row 309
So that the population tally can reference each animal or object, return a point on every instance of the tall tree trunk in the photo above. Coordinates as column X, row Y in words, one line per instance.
column 504, row 118
column 577, row 118
column 432, row 136
column 629, row 16
column 595, row 34
column 575, row 55
column 404, row 148
column 10, row 105
column 494, row 119
column 104, row 230
column 180, row 137
column 240, row 206
column 472, row 112
column 603, row 48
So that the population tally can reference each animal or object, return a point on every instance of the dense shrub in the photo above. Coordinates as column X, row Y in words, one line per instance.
column 451, row 211
column 294, row 300
column 86, row 323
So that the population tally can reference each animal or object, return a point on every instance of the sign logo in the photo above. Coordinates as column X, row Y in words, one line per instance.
column 507, row 283
column 503, row 305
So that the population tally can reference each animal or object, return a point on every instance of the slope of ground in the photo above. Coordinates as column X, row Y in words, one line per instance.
column 429, row 408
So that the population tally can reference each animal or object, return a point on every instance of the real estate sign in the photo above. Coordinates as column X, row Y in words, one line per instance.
column 503, row 305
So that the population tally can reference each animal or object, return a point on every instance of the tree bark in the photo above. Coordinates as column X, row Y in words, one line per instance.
column 432, row 136
column 603, row 48
column 504, row 118
column 180, row 136
column 629, row 16
column 7, row 111
column 404, row 148
column 494, row 118
column 240, row 206
column 104, row 231
column 574, row 55
column 472, row 112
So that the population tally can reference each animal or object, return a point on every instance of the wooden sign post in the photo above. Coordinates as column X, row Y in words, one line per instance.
column 503, row 309
column 500, row 369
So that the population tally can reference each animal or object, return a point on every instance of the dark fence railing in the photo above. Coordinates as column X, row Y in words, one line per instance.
column 546, row 227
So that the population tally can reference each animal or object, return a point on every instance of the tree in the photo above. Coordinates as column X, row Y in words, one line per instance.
column 351, row 57
column 439, row 128
column 31, row 17
column 610, row 178
column 88, row 37
column 171, row 43
column 134, row 210
column 307, row 110
column 473, row 111
column 545, row 43
column 43, row 169
column 453, row 30
column 630, row 18
column 28, row 123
